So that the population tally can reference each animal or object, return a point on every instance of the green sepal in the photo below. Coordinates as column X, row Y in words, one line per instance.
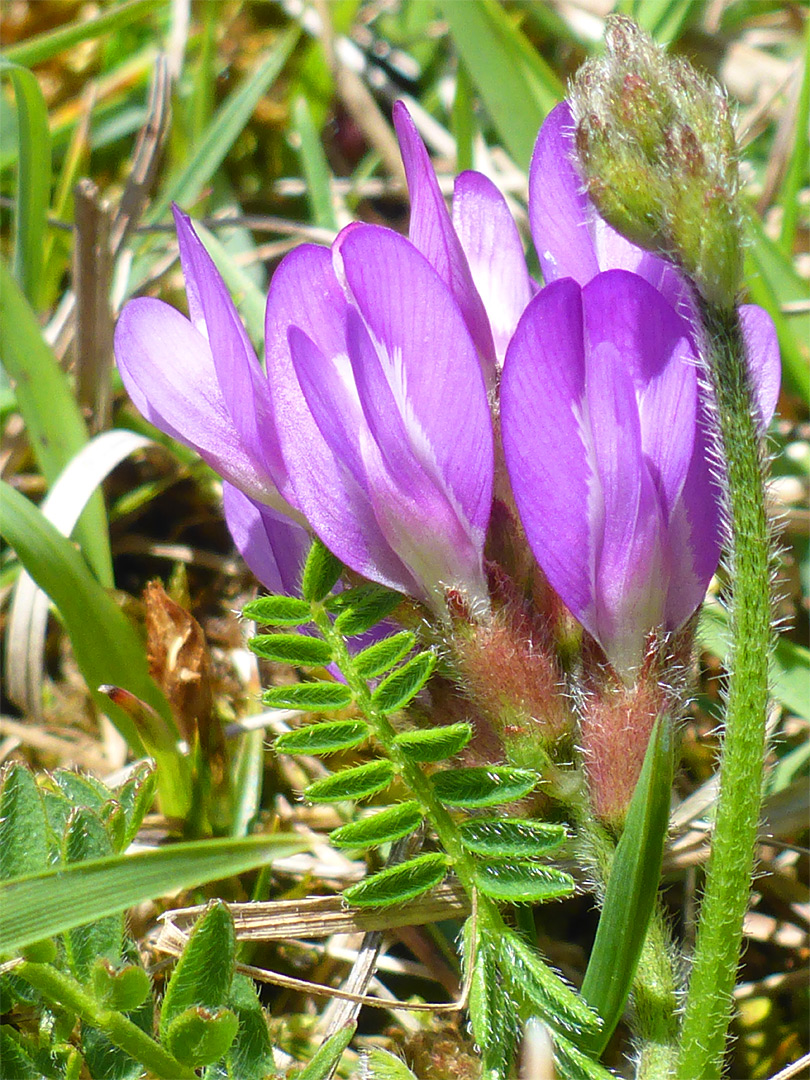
column 632, row 888
column 361, row 608
column 398, row 884
column 434, row 745
column 299, row 650
column 511, row 838
column 321, row 572
column 325, row 738
column 382, row 655
column 311, row 697
column 122, row 989
column 358, row 783
column 278, row 611
column 551, row 998
column 24, row 833
column 523, row 882
column 200, row 1036
column 381, row 828
column 203, row 973
column 404, row 684
column 327, row 1055
column 481, row 786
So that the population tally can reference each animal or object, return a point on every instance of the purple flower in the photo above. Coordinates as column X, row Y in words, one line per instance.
column 605, row 419
column 382, row 413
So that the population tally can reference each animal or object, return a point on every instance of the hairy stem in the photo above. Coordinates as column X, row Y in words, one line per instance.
column 728, row 877
column 655, row 1003
column 64, row 990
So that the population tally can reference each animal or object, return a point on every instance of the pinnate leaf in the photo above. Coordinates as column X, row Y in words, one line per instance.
column 523, row 882
column 361, row 608
column 321, row 572
column 298, row 649
column 314, row 696
column 382, row 655
column 323, row 738
column 278, row 611
column 481, row 786
column 434, row 745
column 396, row 884
column 511, row 838
column 381, row 828
column 404, row 684
column 572, row 1062
column 358, row 783
column 555, row 1001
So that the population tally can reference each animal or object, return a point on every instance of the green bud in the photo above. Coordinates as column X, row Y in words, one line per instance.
column 657, row 151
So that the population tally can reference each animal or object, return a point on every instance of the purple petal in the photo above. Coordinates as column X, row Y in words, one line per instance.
column 630, row 571
column 623, row 309
column 494, row 251
column 272, row 545
column 429, row 362
column 330, row 470
column 169, row 373
column 432, row 232
column 764, row 363
column 421, row 518
column 695, row 531
column 240, row 378
column 542, row 394
column 560, row 212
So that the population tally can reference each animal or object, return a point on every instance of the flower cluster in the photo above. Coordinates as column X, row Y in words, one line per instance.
column 407, row 378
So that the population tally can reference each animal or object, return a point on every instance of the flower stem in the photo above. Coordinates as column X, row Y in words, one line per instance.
column 655, row 1003
column 728, row 876
column 63, row 989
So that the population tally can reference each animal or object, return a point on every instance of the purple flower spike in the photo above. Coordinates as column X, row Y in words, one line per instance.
column 198, row 380
column 382, row 412
column 599, row 403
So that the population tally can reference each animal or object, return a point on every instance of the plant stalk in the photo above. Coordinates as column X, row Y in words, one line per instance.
column 730, row 868
column 119, row 1029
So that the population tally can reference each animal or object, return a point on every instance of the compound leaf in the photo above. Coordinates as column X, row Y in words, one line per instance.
column 481, row 786
column 323, row 738
column 358, row 783
column 397, row 884
column 381, row 828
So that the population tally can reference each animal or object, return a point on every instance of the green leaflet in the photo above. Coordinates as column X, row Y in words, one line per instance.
column 404, row 684
column 382, row 655
column 480, row 786
column 523, row 882
column 321, row 572
column 381, row 828
column 201, row 1036
column 359, row 783
column 314, row 696
column 323, row 738
column 434, row 745
column 553, row 1000
column 296, row 649
column 511, row 838
column 24, row 832
column 382, row 1065
column 278, row 611
column 361, row 608
column 203, row 974
column 399, row 883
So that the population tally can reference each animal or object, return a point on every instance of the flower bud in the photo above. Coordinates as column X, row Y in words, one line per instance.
column 657, row 150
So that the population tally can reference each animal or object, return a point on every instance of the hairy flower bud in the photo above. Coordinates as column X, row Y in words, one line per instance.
column 657, row 151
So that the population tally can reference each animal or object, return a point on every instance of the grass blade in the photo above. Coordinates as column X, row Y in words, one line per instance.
column 33, row 180
column 517, row 85
column 40, row 906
